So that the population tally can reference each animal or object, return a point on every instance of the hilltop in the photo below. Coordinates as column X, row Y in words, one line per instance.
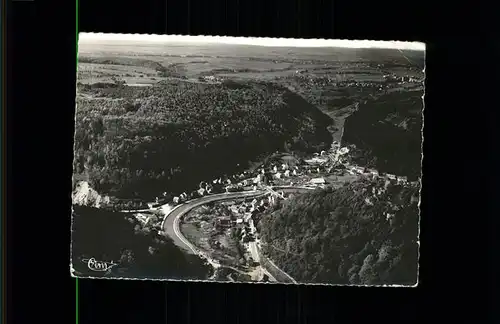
column 364, row 233
column 133, row 142
column 387, row 133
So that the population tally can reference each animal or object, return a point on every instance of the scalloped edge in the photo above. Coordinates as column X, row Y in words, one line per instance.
column 257, row 41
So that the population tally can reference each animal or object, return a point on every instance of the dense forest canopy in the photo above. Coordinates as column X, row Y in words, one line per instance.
column 136, row 142
column 388, row 133
column 138, row 250
column 364, row 233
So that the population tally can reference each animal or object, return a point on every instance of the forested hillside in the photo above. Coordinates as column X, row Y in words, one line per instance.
column 138, row 250
column 175, row 134
column 364, row 233
column 387, row 133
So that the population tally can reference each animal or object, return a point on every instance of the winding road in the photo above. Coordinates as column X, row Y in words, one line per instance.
column 173, row 216
column 171, row 221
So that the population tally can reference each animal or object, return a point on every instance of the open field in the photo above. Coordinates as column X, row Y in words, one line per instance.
column 246, row 63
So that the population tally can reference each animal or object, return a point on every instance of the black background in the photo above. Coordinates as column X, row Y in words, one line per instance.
column 458, row 194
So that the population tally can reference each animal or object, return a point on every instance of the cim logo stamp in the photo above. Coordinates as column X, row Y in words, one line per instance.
column 100, row 266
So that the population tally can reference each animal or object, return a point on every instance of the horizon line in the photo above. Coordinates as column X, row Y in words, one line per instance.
column 88, row 38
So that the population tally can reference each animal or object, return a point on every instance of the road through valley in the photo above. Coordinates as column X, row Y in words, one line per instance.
column 173, row 216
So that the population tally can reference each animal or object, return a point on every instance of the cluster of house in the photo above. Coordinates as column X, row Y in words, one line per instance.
column 242, row 213
column 204, row 189
column 323, row 162
column 353, row 169
column 210, row 78
column 265, row 176
column 400, row 79
column 338, row 80
column 148, row 219
column 337, row 157
column 348, row 82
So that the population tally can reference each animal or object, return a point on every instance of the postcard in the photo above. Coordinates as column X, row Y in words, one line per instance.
column 247, row 160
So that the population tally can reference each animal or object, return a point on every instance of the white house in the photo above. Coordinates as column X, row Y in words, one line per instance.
column 402, row 180
column 318, row 181
column 343, row 150
column 201, row 191
column 275, row 169
column 391, row 176
column 358, row 169
column 294, row 172
column 316, row 160
column 278, row 175
column 176, row 200
column 239, row 221
column 287, row 173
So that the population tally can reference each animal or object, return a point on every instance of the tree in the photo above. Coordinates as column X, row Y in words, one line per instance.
column 367, row 274
column 127, row 257
column 131, row 107
column 340, row 240
column 131, row 251
column 179, row 124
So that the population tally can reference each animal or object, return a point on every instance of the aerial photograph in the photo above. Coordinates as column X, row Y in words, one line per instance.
column 247, row 160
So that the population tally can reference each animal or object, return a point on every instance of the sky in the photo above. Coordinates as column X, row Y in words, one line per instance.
column 124, row 39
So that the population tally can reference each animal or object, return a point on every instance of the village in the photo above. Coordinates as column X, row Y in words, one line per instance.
column 284, row 170
column 226, row 230
column 380, row 81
